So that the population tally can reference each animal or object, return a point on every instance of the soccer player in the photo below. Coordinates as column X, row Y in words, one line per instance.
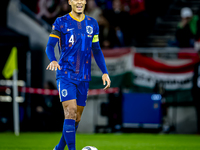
column 77, row 35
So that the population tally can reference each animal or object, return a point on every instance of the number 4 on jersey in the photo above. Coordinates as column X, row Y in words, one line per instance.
column 71, row 39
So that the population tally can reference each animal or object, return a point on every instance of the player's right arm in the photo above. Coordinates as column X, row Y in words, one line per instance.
column 53, row 39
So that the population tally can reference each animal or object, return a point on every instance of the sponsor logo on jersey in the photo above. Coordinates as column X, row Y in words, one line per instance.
column 70, row 29
column 64, row 92
column 89, row 35
column 89, row 29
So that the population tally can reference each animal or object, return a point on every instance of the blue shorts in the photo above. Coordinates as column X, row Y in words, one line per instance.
column 71, row 89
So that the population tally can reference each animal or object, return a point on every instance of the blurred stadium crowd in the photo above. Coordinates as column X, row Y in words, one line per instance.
column 122, row 22
column 127, row 22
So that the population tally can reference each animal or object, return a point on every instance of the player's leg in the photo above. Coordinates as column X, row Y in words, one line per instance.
column 62, row 142
column 81, row 102
column 70, row 110
column 82, row 90
column 67, row 90
column 78, row 115
column 61, row 145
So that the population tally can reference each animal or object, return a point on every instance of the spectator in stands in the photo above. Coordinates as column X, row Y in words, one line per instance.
column 104, row 4
column 107, row 34
column 187, row 28
column 48, row 10
column 134, row 6
column 139, row 21
column 93, row 10
column 120, row 21
column 65, row 8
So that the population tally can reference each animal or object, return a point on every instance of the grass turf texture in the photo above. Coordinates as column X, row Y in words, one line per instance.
column 47, row 141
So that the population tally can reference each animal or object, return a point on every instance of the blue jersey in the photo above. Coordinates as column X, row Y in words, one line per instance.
column 76, row 38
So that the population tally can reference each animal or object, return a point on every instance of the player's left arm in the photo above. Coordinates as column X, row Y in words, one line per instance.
column 99, row 58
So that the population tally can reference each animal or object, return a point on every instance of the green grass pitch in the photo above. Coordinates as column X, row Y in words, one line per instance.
column 47, row 141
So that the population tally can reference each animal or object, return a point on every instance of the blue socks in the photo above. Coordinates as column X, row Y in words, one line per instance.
column 69, row 133
column 61, row 145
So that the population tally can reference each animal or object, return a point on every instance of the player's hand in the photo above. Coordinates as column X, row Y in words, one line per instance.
column 105, row 79
column 53, row 66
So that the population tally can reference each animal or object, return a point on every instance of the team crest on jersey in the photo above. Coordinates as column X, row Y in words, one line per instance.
column 64, row 92
column 89, row 29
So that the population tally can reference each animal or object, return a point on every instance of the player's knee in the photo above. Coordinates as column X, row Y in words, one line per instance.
column 70, row 112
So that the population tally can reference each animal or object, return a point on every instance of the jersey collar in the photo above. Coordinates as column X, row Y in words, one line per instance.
column 76, row 18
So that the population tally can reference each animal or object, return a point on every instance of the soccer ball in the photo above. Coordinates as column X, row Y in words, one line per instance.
column 89, row 148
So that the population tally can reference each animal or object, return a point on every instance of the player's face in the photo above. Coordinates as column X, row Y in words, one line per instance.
column 78, row 6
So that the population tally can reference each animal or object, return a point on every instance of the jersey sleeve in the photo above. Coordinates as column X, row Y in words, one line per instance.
column 97, row 53
column 96, row 33
column 53, row 39
column 56, row 33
